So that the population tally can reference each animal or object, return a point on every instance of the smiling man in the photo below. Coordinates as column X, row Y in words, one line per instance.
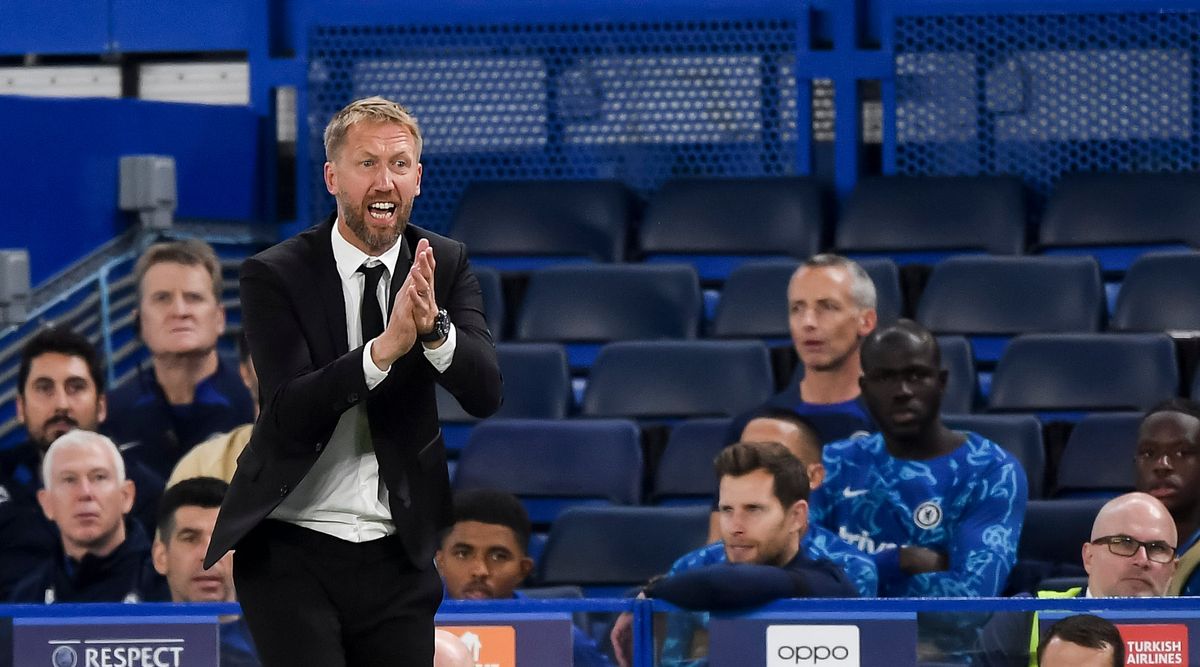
column 189, row 392
column 1167, row 463
column 940, row 511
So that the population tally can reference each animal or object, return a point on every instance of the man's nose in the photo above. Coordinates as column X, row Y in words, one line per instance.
column 383, row 178
column 479, row 568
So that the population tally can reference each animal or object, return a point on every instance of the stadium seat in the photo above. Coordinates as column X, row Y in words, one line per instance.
column 1085, row 372
column 753, row 301
column 554, row 464
column 607, row 550
column 493, row 300
column 1052, row 538
column 992, row 298
column 960, row 393
column 1159, row 294
column 1117, row 217
column 672, row 379
column 685, row 471
column 586, row 306
column 1098, row 458
column 1019, row 435
column 715, row 224
column 525, row 225
column 923, row 219
column 536, row 386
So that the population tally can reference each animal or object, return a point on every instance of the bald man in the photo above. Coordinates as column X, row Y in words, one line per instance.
column 1131, row 553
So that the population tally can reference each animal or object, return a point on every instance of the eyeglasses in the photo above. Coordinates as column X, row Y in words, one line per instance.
column 1124, row 545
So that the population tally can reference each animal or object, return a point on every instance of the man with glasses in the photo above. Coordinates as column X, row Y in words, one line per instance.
column 1131, row 553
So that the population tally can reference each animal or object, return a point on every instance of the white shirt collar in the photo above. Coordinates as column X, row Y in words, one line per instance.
column 348, row 258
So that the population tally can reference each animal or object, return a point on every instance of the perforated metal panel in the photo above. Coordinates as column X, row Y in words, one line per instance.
column 640, row 102
column 1039, row 95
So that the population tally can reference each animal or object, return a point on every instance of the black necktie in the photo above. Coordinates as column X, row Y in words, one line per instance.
column 369, row 313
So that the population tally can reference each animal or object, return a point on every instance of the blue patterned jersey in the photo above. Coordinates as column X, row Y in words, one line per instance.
column 968, row 504
column 817, row 544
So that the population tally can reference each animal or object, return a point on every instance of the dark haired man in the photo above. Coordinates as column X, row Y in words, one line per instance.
column 1167, row 464
column 485, row 556
column 187, row 514
column 60, row 387
column 1082, row 640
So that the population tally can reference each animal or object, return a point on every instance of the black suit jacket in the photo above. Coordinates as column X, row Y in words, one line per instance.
column 295, row 320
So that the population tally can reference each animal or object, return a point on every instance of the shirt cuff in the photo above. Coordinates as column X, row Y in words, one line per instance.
column 370, row 371
column 443, row 356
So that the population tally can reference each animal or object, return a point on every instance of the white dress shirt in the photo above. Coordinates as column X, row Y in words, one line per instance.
column 342, row 495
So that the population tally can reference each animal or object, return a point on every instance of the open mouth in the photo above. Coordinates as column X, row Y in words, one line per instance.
column 381, row 210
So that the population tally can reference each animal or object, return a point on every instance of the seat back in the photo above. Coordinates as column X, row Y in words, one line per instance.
column 1019, row 435
column 493, row 300
column 1088, row 372
column 678, row 379
column 961, row 391
column 685, row 471
column 536, row 384
column 1159, row 294
column 1098, row 457
column 1130, row 209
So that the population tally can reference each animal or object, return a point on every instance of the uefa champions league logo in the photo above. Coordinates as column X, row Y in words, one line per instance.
column 64, row 656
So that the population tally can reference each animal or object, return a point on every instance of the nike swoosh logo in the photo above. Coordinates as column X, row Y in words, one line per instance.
column 853, row 493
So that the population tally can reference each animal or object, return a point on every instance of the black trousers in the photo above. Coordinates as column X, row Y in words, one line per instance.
column 313, row 599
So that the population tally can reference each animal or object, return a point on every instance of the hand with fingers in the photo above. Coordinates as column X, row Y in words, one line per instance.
column 420, row 283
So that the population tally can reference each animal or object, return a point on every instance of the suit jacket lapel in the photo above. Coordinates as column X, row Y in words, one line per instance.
column 329, row 287
column 400, row 271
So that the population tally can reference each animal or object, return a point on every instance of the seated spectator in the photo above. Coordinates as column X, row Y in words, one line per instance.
column 485, row 556
column 802, row 441
column 763, row 501
column 60, row 386
column 1082, row 640
column 939, row 511
column 1167, row 463
column 831, row 308
column 189, row 393
column 218, row 457
column 1131, row 554
column 186, row 519
column 103, row 556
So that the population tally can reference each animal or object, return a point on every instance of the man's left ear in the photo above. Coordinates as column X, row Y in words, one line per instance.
column 526, row 568
column 799, row 515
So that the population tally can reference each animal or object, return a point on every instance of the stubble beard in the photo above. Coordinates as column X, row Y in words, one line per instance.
column 377, row 241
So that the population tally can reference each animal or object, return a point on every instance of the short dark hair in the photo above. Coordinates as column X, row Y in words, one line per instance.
column 807, row 430
column 498, row 508
column 743, row 458
column 1183, row 406
column 61, row 340
column 1088, row 631
column 192, row 492
column 902, row 328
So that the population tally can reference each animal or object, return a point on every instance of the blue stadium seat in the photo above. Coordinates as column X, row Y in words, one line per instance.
column 1019, row 435
column 554, row 464
column 923, row 219
column 716, row 224
column 1052, row 539
column 685, row 472
column 670, row 379
column 992, row 298
column 493, row 299
column 537, row 385
column 607, row 550
column 586, row 306
column 1098, row 458
column 754, row 299
column 525, row 225
column 1085, row 372
column 1159, row 294
column 960, row 393
column 1117, row 217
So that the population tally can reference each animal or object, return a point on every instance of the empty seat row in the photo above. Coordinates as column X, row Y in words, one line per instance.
column 718, row 223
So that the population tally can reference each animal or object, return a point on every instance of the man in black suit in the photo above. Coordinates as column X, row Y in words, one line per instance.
column 338, row 498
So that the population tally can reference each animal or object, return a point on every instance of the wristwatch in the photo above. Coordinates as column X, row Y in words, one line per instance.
column 441, row 328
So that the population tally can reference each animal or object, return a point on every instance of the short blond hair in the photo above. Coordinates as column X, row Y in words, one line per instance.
column 370, row 109
column 188, row 252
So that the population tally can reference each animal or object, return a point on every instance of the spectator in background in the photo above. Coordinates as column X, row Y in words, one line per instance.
column 831, row 308
column 186, row 518
column 1082, row 640
column 189, row 393
column 939, row 511
column 218, row 457
column 763, row 501
column 60, row 387
column 102, row 555
column 1167, row 463
column 1131, row 553
column 485, row 556
column 802, row 441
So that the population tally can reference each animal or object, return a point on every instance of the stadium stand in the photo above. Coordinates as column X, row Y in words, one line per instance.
column 1158, row 293
column 1098, row 458
column 492, row 290
column 1051, row 539
column 961, row 386
column 1019, row 435
column 684, row 475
